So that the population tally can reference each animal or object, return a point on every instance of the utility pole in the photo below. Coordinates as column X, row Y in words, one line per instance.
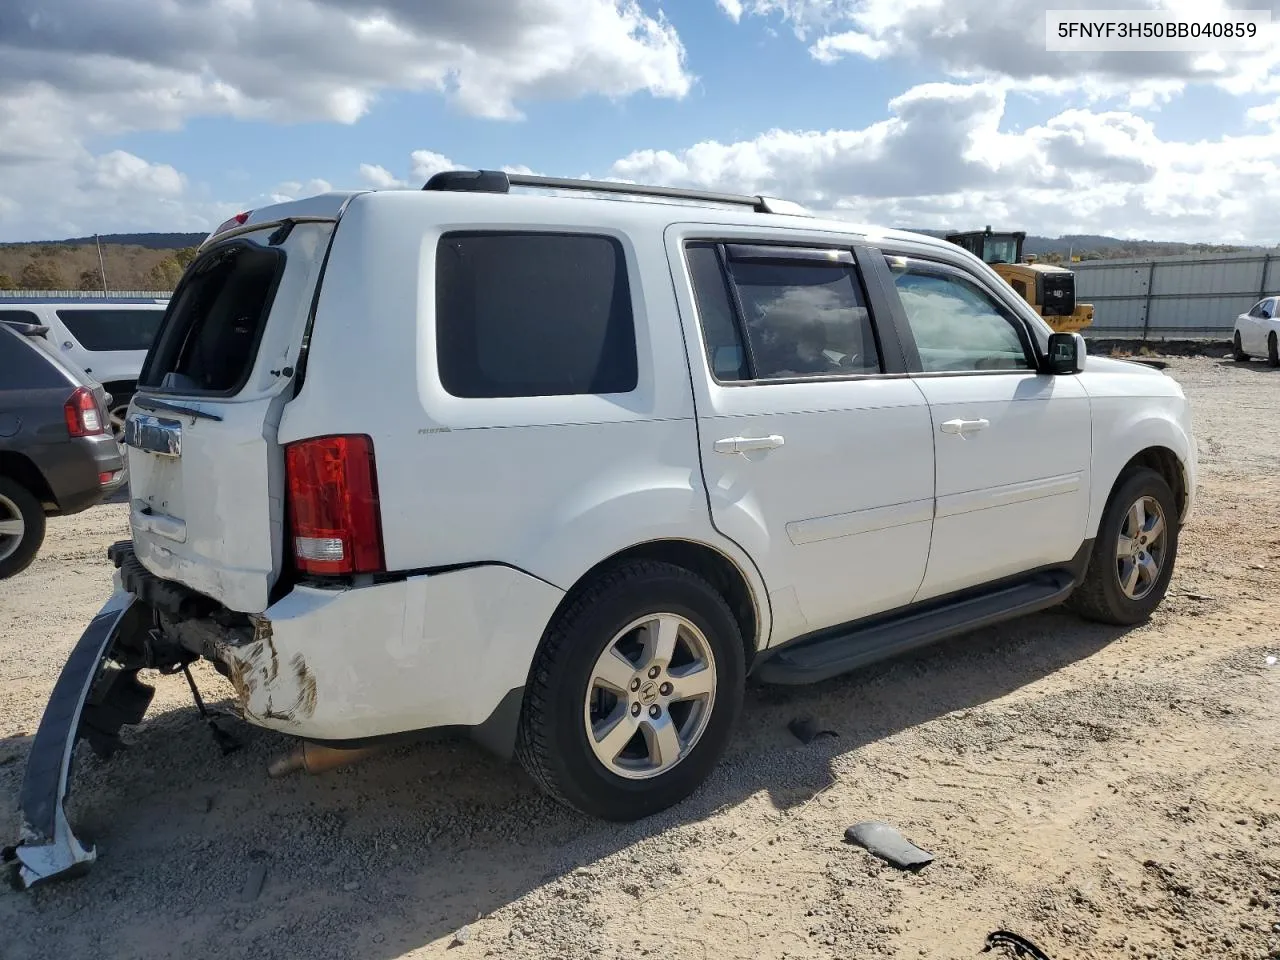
column 102, row 267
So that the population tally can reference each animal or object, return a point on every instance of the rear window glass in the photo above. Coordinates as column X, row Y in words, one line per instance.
column 211, row 332
column 115, row 329
column 533, row 315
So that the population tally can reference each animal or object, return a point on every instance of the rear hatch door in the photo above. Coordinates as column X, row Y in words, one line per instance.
column 206, row 471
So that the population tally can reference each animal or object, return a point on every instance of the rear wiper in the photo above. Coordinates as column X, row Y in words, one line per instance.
column 153, row 403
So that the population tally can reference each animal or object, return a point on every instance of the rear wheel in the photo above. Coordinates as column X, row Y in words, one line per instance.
column 1238, row 349
column 634, row 695
column 1273, row 351
column 1133, row 554
column 22, row 525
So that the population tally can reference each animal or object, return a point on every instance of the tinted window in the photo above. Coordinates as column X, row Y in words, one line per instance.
column 533, row 315
column 1256, row 309
column 720, row 334
column 20, row 316
column 114, row 329
column 1267, row 309
column 22, row 365
column 956, row 324
column 804, row 319
column 210, row 339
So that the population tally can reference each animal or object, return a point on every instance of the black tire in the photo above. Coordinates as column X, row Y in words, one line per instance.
column 1238, row 353
column 552, row 742
column 1273, row 351
column 1100, row 596
column 32, row 515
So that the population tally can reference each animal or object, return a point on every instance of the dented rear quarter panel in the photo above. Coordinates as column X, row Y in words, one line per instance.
column 425, row 652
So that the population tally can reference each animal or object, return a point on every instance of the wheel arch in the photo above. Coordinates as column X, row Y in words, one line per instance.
column 746, row 596
column 1163, row 461
column 22, row 469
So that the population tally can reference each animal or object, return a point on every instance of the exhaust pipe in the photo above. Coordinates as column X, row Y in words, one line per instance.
column 317, row 758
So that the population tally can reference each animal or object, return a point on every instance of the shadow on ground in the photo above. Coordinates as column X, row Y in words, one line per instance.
column 407, row 848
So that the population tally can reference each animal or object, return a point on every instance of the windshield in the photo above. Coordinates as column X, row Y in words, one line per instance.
column 1000, row 250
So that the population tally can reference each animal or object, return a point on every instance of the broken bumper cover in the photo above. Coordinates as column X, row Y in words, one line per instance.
column 48, row 847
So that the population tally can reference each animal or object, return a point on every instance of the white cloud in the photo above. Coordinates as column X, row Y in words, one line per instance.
column 378, row 177
column 989, row 39
column 427, row 164
column 73, row 71
column 943, row 160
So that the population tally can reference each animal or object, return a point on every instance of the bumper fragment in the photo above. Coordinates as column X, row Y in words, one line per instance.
column 48, row 847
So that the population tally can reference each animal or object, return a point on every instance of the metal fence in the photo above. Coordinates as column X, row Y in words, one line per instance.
column 1180, row 296
column 85, row 294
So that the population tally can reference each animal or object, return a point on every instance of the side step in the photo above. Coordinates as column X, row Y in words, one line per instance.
column 832, row 653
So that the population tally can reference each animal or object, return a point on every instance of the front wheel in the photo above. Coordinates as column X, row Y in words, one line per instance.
column 634, row 695
column 1237, row 349
column 1133, row 554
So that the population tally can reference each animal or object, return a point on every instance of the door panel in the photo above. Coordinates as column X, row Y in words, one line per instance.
column 816, row 463
column 1012, row 445
column 1013, row 495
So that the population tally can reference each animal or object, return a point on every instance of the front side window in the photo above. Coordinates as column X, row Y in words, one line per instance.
column 1256, row 309
column 957, row 325
column 803, row 316
column 533, row 315
column 112, row 329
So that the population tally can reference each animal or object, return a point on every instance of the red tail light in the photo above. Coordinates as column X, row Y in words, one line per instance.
column 333, row 505
column 84, row 419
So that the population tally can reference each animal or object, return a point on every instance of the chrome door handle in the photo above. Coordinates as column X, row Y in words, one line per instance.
column 748, row 444
column 963, row 428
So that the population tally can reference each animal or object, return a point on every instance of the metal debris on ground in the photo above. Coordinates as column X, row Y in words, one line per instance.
column 1014, row 945
column 253, row 884
column 883, row 841
column 461, row 937
column 805, row 729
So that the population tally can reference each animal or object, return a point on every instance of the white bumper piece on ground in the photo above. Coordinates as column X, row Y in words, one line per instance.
column 48, row 847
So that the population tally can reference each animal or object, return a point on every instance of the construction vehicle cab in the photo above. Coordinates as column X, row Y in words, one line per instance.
column 1051, row 290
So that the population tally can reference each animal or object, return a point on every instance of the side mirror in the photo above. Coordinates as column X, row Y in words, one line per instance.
column 1066, row 354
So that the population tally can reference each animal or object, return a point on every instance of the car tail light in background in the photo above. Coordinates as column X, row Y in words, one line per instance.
column 237, row 221
column 333, row 505
column 84, row 419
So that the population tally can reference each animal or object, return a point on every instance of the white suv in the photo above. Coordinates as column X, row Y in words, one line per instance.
column 105, row 337
column 566, row 470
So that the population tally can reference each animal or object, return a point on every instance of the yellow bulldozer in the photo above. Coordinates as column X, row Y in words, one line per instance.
column 1050, row 290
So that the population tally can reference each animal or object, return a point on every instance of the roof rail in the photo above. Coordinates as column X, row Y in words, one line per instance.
column 497, row 181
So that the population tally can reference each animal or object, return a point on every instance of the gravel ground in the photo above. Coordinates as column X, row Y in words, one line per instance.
column 1105, row 793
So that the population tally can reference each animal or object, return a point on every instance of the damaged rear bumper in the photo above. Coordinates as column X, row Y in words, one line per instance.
column 48, row 847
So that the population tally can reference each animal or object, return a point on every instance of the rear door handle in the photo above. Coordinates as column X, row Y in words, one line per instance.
column 748, row 444
column 964, row 427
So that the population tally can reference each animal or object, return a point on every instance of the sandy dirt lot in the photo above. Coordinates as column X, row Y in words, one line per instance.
column 1105, row 793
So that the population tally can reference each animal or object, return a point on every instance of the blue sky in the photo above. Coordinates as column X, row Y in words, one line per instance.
column 168, row 114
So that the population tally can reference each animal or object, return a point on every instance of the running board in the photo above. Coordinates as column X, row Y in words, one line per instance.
column 87, row 701
column 833, row 653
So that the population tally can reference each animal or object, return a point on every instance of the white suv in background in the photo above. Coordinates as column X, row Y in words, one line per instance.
column 106, row 337
column 566, row 470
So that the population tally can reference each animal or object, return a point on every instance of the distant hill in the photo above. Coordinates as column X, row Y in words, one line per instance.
column 1098, row 246
column 148, row 241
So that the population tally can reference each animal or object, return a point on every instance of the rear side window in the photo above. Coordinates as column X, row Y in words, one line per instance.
column 22, row 365
column 533, row 315
column 803, row 312
column 115, row 329
column 211, row 331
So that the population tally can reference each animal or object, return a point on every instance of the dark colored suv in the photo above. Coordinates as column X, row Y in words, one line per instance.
column 56, row 453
